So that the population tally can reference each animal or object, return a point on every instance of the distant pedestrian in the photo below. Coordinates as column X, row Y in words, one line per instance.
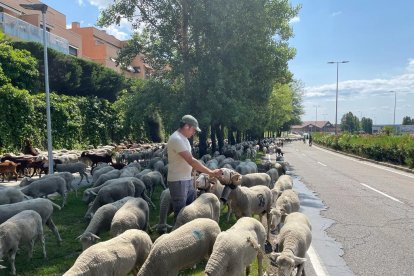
column 310, row 140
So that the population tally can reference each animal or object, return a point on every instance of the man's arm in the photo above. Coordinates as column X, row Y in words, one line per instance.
column 188, row 157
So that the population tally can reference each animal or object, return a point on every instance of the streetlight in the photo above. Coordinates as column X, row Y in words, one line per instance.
column 316, row 121
column 336, row 105
column 395, row 104
column 43, row 8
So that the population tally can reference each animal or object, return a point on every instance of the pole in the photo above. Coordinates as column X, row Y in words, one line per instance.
column 336, row 103
column 49, row 122
column 395, row 105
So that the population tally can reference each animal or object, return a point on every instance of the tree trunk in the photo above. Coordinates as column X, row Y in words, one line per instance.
column 238, row 136
column 220, row 137
column 202, row 147
column 230, row 136
column 213, row 140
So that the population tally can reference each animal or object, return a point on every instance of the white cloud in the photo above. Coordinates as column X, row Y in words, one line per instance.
column 68, row 26
column 101, row 4
column 80, row 2
column 371, row 97
column 121, row 32
column 336, row 13
column 295, row 19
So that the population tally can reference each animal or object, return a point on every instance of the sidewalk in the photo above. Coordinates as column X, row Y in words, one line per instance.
column 397, row 167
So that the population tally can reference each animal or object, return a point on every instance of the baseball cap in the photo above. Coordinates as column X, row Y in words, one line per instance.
column 188, row 119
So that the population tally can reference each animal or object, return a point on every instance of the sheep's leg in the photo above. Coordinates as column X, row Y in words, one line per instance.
column 260, row 263
column 65, row 196
column 42, row 241
column 12, row 261
column 31, row 246
column 300, row 271
column 87, row 179
column 53, row 228
column 268, row 218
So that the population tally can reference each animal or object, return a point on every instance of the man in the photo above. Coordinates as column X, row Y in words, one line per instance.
column 181, row 162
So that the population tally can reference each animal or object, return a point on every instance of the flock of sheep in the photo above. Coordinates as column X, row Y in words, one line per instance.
column 120, row 201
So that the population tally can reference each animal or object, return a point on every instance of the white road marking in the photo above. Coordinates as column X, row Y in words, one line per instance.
column 316, row 262
column 303, row 154
column 367, row 163
column 322, row 164
column 384, row 194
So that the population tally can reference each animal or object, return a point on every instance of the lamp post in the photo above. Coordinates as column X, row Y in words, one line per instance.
column 336, row 102
column 43, row 8
column 395, row 104
column 316, row 119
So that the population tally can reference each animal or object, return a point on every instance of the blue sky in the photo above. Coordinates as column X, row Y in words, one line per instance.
column 375, row 36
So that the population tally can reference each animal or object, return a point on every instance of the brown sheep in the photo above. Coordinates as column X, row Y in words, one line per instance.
column 8, row 167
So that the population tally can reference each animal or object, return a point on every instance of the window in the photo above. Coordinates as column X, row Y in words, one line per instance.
column 73, row 51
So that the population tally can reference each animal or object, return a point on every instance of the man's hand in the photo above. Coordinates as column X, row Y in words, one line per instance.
column 215, row 173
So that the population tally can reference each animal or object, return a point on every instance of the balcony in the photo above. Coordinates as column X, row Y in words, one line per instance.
column 20, row 29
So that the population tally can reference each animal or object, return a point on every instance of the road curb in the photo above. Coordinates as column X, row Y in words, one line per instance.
column 401, row 168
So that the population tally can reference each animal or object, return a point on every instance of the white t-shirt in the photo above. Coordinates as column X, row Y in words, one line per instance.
column 178, row 168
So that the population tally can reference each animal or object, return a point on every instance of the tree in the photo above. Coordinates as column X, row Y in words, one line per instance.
column 227, row 53
column 366, row 125
column 18, row 66
column 408, row 121
column 349, row 122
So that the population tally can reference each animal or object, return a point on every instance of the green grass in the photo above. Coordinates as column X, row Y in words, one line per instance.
column 71, row 224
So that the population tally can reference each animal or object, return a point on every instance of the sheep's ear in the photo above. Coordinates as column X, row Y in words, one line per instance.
column 80, row 237
column 299, row 260
column 95, row 236
column 93, row 193
column 282, row 211
column 2, row 267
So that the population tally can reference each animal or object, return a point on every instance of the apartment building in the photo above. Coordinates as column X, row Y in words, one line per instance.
column 84, row 42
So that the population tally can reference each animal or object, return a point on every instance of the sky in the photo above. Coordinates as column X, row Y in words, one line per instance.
column 375, row 36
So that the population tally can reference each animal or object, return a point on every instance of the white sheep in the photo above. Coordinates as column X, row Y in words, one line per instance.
column 117, row 256
column 101, row 221
column 77, row 167
column 284, row 182
column 25, row 227
column 274, row 176
column 67, row 176
column 110, row 193
column 249, row 180
column 182, row 248
column 246, row 202
column 206, row 205
column 293, row 241
column 112, row 174
column 236, row 248
column 46, row 186
column 42, row 206
column 287, row 203
column 134, row 214
column 10, row 195
column 129, row 171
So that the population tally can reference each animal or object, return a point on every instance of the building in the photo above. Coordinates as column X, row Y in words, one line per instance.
column 400, row 129
column 313, row 126
column 84, row 42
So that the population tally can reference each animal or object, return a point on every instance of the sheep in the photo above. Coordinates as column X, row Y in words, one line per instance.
column 24, row 227
column 182, row 248
column 140, row 189
column 43, row 206
column 152, row 179
column 129, row 171
column 294, row 240
column 166, row 209
column 274, row 176
column 67, row 176
column 8, row 167
column 206, row 205
column 248, row 180
column 46, row 186
column 284, row 182
column 110, row 193
column 100, row 222
column 10, row 195
column 77, row 167
column 112, row 174
column 212, row 185
column 98, row 167
column 246, row 202
column 118, row 256
column 134, row 214
column 287, row 203
column 280, row 167
column 247, row 167
column 236, row 248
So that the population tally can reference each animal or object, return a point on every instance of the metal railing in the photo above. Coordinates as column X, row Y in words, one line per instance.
column 15, row 27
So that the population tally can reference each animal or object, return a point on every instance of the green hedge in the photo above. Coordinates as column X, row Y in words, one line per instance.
column 76, row 121
column 394, row 149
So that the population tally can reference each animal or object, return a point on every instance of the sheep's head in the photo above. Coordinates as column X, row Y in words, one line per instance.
column 286, row 263
column 229, row 176
column 276, row 218
column 203, row 182
column 87, row 239
column 88, row 196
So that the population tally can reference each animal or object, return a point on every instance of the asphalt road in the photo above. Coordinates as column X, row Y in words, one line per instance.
column 362, row 213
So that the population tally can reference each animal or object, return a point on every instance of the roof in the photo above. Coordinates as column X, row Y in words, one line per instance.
column 319, row 124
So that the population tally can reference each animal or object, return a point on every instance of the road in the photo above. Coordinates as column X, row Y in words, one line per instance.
column 365, row 214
